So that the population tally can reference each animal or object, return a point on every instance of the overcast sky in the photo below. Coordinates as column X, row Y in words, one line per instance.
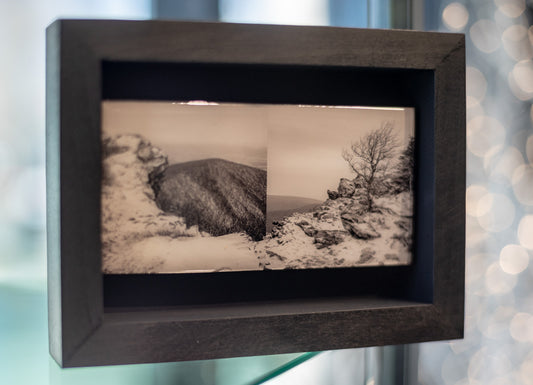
column 192, row 132
column 304, row 143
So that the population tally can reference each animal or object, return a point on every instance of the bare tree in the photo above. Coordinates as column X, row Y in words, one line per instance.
column 370, row 157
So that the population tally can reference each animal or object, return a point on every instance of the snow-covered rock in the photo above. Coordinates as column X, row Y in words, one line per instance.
column 358, row 228
column 138, row 237
column 346, row 188
column 129, row 212
column 342, row 233
column 333, row 194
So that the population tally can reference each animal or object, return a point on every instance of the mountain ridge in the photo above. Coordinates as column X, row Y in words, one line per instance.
column 218, row 195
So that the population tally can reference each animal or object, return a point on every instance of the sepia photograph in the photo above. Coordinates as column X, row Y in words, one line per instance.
column 201, row 186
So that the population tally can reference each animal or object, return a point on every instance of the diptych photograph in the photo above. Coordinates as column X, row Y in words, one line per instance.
column 199, row 186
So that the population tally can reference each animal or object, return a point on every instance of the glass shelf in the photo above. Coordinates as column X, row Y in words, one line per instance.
column 24, row 345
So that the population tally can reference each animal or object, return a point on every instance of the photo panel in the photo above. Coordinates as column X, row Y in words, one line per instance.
column 340, row 186
column 210, row 187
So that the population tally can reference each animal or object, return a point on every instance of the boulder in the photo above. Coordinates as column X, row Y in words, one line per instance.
column 361, row 230
column 346, row 188
column 277, row 229
column 356, row 226
column 324, row 215
column 355, row 211
column 333, row 195
column 325, row 238
column 136, row 153
column 307, row 228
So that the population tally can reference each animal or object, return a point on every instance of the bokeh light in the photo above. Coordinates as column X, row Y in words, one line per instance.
column 516, row 42
column 500, row 165
column 494, row 324
column 495, row 212
column 483, row 134
column 485, row 35
column 523, row 75
column 525, row 232
column 486, row 361
column 455, row 16
column 497, row 281
column 514, row 259
column 476, row 84
column 499, row 199
column 521, row 327
column 511, row 8
column 522, row 181
column 517, row 91
column 526, row 370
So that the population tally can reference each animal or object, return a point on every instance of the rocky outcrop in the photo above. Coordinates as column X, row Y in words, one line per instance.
column 131, row 162
column 322, row 238
column 346, row 188
column 343, row 232
column 333, row 195
column 129, row 212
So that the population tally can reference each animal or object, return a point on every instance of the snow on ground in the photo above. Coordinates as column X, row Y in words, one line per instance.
column 293, row 248
column 129, row 212
column 195, row 254
column 138, row 237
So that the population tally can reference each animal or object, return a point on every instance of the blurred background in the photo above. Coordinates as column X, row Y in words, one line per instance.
column 498, row 344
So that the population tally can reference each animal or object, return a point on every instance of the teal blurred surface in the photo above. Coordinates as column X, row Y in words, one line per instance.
column 24, row 357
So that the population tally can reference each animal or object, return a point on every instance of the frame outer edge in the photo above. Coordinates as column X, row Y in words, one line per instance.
column 82, row 287
column 83, row 338
column 450, row 173
column 263, row 43
column 53, row 185
column 169, row 341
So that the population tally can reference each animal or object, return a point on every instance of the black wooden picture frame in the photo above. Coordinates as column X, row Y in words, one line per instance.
column 97, row 319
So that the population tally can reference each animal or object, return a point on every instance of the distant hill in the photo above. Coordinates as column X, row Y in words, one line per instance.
column 219, row 196
column 279, row 207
